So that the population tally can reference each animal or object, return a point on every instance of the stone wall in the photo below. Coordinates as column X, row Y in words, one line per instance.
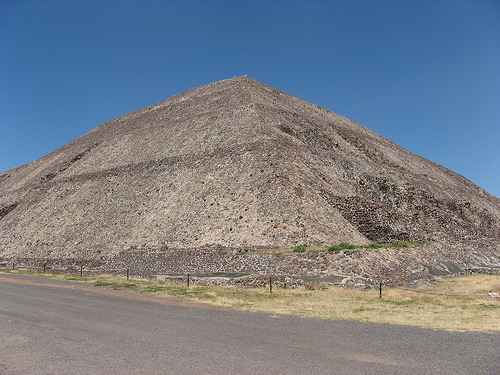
column 357, row 267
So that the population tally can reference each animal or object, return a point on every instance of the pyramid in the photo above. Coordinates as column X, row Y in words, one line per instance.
column 240, row 165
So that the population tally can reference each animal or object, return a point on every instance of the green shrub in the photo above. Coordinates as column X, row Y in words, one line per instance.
column 400, row 244
column 300, row 249
column 341, row 246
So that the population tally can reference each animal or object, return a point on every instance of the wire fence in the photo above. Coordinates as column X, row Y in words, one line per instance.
column 222, row 278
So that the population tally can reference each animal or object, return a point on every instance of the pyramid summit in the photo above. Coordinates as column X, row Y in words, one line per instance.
column 239, row 165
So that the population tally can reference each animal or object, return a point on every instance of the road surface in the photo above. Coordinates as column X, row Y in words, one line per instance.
column 60, row 327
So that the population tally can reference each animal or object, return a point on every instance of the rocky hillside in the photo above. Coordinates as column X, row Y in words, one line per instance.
column 239, row 164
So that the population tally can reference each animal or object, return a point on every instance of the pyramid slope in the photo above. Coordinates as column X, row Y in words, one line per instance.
column 240, row 164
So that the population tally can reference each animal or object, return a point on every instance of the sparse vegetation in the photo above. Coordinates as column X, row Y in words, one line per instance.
column 340, row 247
column 459, row 304
column 406, row 244
column 300, row 249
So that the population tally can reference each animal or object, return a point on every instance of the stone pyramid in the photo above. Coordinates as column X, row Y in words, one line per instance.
column 242, row 165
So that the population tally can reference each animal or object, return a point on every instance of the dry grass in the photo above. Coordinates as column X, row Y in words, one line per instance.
column 459, row 304
column 456, row 304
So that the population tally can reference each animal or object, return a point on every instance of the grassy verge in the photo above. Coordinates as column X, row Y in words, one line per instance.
column 457, row 304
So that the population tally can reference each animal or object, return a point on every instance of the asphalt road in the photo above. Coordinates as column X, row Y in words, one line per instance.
column 57, row 327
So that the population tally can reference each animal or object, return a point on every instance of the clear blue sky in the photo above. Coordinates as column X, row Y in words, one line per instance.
column 424, row 74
